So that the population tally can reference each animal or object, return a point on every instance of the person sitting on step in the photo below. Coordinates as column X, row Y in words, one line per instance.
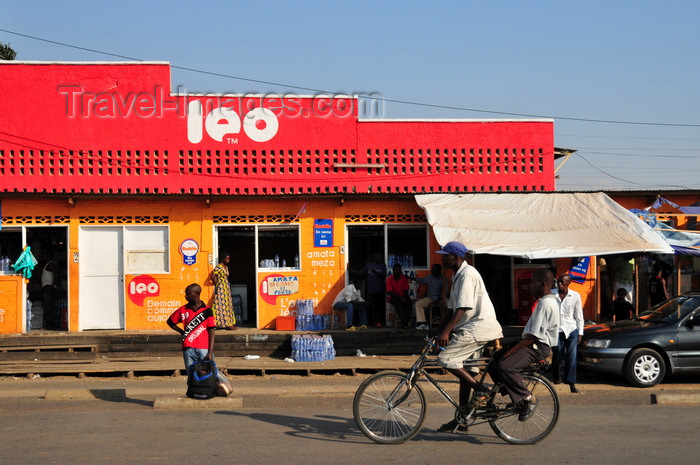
column 350, row 299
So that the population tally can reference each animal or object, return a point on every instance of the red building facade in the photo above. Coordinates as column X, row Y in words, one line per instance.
column 89, row 145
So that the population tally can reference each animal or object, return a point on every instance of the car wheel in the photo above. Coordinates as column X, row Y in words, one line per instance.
column 645, row 368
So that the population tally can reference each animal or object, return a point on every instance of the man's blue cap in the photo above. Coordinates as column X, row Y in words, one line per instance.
column 454, row 247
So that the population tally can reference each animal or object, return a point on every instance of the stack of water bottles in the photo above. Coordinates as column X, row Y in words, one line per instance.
column 5, row 264
column 306, row 320
column 403, row 259
column 312, row 348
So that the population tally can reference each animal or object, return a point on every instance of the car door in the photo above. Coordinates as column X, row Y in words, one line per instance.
column 689, row 342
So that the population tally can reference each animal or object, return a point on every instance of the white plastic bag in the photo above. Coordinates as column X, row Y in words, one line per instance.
column 224, row 388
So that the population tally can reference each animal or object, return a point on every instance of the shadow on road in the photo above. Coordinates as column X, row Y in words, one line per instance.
column 334, row 428
column 118, row 396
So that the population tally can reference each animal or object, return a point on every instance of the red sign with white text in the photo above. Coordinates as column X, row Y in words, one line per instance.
column 119, row 129
column 141, row 287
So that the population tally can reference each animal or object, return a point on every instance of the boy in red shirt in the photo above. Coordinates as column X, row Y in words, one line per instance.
column 199, row 327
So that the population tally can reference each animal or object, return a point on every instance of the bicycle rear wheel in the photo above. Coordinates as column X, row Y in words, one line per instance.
column 387, row 410
column 507, row 426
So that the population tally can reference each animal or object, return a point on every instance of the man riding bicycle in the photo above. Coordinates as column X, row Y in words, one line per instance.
column 471, row 326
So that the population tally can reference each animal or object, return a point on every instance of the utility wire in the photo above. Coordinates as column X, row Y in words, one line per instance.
column 619, row 154
column 619, row 178
column 398, row 101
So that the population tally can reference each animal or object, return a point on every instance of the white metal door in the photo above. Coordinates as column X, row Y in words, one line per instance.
column 101, row 278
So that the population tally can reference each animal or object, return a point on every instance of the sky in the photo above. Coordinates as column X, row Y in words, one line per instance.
column 619, row 79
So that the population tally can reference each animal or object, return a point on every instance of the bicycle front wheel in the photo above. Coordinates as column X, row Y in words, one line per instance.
column 507, row 426
column 387, row 410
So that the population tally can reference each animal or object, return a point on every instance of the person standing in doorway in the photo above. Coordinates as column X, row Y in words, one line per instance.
column 222, row 304
column 570, row 332
column 199, row 328
column 397, row 290
column 375, row 276
column 48, row 295
column 472, row 325
column 622, row 308
column 657, row 285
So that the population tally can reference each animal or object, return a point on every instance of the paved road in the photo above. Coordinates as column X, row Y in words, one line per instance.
column 38, row 431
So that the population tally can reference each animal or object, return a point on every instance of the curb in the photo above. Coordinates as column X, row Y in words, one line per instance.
column 84, row 394
column 663, row 398
column 179, row 402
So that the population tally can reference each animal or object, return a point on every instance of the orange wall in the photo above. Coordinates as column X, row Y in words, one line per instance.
column 320, row 277
column 150, row 299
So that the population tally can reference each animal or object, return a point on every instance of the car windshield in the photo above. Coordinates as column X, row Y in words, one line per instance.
column 671, row 311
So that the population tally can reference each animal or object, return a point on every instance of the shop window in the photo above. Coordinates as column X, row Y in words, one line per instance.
column 146, row 249
column 278, row 247
column 407, row 245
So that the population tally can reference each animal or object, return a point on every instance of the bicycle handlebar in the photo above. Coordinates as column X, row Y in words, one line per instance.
column 432, row 342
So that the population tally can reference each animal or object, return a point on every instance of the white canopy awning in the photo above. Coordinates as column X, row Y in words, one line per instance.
column 539, row 225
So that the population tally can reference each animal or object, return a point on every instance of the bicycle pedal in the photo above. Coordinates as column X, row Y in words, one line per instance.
column 453, row 426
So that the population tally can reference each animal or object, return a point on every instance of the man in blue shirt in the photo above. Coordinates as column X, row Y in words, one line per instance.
column 432, row 295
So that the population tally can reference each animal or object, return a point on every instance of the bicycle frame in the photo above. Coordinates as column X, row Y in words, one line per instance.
column 418, row 370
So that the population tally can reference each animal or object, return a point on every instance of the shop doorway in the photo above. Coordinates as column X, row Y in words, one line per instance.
column 363, row 243
column 239, row 241
column 101, row 278
column 47, row 289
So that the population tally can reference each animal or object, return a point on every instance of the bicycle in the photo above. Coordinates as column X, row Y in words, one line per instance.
column 389, row 407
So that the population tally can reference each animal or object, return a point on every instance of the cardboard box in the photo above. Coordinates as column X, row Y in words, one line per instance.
column 285, row 323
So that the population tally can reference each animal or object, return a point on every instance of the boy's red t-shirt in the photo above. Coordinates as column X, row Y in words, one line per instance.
column 196, row 323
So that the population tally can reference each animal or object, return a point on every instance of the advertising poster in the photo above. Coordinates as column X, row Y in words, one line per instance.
column 323, row 233
column 580, row 270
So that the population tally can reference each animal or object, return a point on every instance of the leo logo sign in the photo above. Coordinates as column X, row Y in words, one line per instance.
column 141, row 287
column 259, row 124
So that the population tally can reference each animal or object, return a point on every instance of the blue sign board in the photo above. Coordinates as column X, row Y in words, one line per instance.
column 323, row 233
column 580, row 270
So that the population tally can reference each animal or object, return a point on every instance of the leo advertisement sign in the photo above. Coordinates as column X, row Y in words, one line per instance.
column 149, row 308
